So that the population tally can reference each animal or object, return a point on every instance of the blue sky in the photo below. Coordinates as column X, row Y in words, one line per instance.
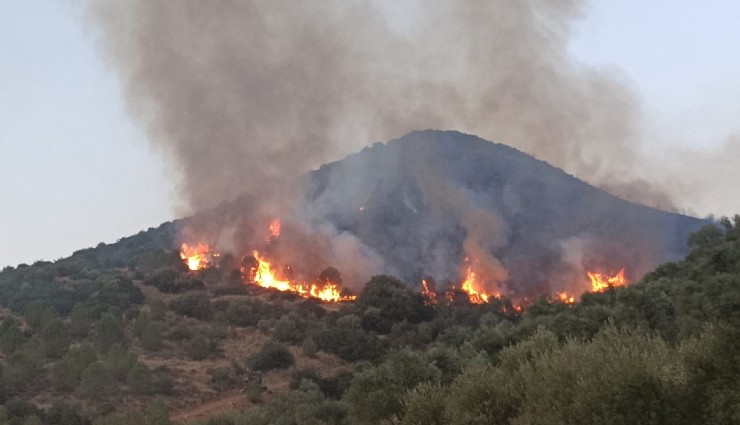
column 76, row 171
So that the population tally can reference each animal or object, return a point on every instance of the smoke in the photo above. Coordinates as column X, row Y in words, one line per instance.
column 242, row 96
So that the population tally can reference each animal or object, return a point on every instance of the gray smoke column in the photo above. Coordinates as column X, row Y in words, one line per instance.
column 242, row 96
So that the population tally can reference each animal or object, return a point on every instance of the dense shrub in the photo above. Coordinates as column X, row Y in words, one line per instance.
column 272, row 356
column 194, row 305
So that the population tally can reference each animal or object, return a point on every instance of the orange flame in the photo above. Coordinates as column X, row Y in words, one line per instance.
column 600, row 281
column 197, row 256
column 265, row 276
column 564, row 297
column 471, row 287
column 430, row 297
column 274, row 230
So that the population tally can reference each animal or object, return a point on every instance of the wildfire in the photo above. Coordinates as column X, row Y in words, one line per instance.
column 470, row 286
column 274, row 230
column 430, row 296
column 197, row 256
column 600, row 282
column 265, row 276
column 564, row 297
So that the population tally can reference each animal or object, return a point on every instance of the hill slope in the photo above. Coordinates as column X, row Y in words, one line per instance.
column 429, row 199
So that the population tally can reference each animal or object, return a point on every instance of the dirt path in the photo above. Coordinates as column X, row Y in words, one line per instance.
column 233, row 401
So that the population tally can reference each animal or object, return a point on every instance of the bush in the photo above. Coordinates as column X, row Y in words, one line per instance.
column 66, row 373
column 198, row 348
column 272, row 356
column 222, row 379
column 97, row 382
column 151, row 339
column 194, row 305
column 309, row 348
column 108, row 331
column 350, row 344
column 139, row 379
column 56, row 337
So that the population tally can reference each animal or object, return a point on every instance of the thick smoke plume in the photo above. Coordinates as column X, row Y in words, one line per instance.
column 244, row 96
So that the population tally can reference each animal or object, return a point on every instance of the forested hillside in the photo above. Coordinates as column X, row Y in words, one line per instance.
column 126, row 334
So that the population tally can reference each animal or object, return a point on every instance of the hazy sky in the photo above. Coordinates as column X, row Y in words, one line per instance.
column 76, row 171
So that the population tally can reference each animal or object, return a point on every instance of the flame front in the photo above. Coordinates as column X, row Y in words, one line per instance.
column 430, row 297
column 197, row 257
column 564, row 297
column 470, row 286
column 265, row 276
column 600, row 281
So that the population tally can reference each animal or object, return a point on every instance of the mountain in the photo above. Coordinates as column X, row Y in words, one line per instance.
column 420, row 200
column 436, row 205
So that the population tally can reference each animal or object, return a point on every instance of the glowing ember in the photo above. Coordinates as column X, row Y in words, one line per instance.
column 198, row 256
column 600, row 282
column 430, row 297
column 564, row 297
column 265, row 276
column 470, row 287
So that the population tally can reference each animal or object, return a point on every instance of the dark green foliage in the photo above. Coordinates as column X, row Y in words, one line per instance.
column 194, row 304
column 332, row 387
column 172, row 281
column 19, row 372
column 63, row 413
column 56, row 337
column 305, row 405
column 272, row 356
column 247, row 312
column 395, row 301
column 38, row 313
column 140, row 379
column 309, row 347
column 199, row 347
column 157, row 413
column 11, row 336
column 162, row 382
column 223, row 379
column 292, row 329
column 151, row 338
column 140, row 324
column 80, row 321
column 377, row 394
column 119, row 360
column 108, row 331
column 350, row 344
column 67, row 371
column 97, row 382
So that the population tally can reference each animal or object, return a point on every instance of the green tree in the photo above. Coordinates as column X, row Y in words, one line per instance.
column 56, row 337
column 80, row 321
column 97, row 382
column 11, row 336
column 309, row 348
column 151, row 339
column 273, row 355
column 119, row 360
column 108, row 331
column 66, row 373
column 157, row 413
column 425, row 405
column 19, row 372
column 140, row 379
column 198, row 347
